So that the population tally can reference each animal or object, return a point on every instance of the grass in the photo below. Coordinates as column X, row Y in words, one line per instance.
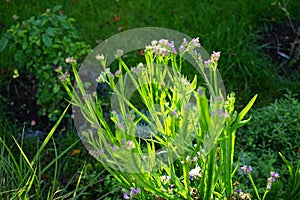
column 51, row 169
column 232, row 27
column 227, row 26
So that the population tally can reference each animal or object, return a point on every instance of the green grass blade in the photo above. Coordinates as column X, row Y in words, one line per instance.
column 45, row 142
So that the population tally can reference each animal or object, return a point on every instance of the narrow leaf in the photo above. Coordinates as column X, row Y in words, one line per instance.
column 246, row 109
column 239, row 124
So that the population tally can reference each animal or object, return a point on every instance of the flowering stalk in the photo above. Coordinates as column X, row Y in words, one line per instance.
column 273, row 177
column 254, row 186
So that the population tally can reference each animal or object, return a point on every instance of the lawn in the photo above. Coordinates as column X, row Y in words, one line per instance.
column 260, row 54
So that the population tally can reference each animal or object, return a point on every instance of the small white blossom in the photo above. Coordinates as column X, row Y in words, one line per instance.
column 101, row 78
column 70, row 60
column 119, row 53
column 100, row 57
column 195, row 173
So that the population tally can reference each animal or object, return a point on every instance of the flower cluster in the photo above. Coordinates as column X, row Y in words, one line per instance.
column 133, row 192
column 102, row 78
column 189, row 46
column 96, row 153
column 128, row 144
column 64, row 76
column 213, row 61
column 272, row 179
column 162, row 47
column 119, row 53
column 102, row 60
column 239, row 194
column 247, row 169
column 194, row 159
column 215, row 56
column 137, row 69
column 70, row 60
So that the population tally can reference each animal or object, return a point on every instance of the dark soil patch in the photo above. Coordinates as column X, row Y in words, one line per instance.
column 20, row 103
column 281, row 41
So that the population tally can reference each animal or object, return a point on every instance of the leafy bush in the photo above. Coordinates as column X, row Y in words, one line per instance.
column 39, row 45
column 274, row 128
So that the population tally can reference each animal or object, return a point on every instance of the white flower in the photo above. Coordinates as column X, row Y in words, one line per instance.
column 153, row 42
column 119, row 53
column 70, row 60
column 100, row 57
column 195, row 173
column 165, row 179
column 101, row 78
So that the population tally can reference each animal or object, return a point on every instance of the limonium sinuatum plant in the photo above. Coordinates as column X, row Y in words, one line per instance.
column 181, row 144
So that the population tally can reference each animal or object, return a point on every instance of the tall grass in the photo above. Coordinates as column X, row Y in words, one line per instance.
column 230, row 26
column 23, row 177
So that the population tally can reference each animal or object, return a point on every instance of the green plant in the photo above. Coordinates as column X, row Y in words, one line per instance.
column 293, row 187
column 194, row 141
column 274, row 128
column 38, row 45
column 39, row 176
column 272, row 179
column 22, row 177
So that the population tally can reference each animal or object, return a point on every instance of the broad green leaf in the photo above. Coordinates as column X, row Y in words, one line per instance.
column 50, row 31
column 19, row 55
column 46, row 40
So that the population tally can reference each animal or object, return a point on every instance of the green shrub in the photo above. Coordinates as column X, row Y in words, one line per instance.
column 274, row 128
column 39, row 45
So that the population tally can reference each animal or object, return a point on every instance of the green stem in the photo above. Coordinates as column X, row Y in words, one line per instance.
column 265, row 194
column 254, row 187
column 211, row 167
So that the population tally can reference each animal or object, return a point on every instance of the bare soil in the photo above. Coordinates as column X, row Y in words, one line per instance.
column 281, row 41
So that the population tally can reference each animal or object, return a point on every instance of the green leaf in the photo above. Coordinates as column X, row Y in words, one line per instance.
column 203, row 106
column 8, row 35
column 37, row 22
column 239, row 124
column 289, row 166
column 3, row 44
column 194, row 83
column 56, row 88
column 37, row 52
column 56, row 8
column 24, row 44
column 242, row 114
column 50, row 31
column 46, row 40
column 19, row 56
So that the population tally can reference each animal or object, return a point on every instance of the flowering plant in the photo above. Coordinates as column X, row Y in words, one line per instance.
column 182, row 145
column 272, row 179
